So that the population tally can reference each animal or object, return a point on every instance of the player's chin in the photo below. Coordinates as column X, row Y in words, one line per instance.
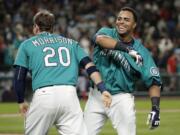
column 122, row 31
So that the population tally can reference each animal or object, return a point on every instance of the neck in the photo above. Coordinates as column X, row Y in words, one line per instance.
column 127, row 38
column 43, row 32
column 40, row 32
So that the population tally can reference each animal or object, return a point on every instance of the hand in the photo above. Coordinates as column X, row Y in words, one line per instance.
column 107, row 99
column 23, row 107
column 153, row 118
column 137, row 56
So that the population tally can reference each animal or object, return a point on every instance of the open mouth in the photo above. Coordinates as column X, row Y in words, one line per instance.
column 121, row 28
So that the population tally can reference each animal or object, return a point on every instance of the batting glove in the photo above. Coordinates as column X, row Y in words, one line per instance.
column 153, row 118
column 137, row 56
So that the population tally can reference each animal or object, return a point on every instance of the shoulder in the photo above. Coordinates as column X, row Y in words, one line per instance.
column 29, row 40
column 26, row 43
column 105, row 30
column 137, row 42
column 139, row 45
column 66, row 39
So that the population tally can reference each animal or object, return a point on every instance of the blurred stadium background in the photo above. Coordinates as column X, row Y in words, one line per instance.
column 159, row 30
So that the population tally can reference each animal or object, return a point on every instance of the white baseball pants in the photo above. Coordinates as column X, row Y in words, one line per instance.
column 55, row 105
column 121, row 113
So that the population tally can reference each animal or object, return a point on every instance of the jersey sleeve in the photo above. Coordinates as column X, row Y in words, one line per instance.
column 21, row 57
column 150, row 72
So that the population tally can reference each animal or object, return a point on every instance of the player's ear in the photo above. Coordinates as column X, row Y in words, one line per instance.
column 35, row 29
column 134, row 25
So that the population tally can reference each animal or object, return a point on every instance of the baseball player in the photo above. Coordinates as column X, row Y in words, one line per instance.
column 120, row 72
column 53, row 61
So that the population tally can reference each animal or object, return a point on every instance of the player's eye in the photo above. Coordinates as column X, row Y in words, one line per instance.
column 119, row 18
column 127, row 19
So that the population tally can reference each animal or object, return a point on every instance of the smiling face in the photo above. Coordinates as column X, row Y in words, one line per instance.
column 125, row 23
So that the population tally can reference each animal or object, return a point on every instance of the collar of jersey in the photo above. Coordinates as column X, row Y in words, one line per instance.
column 44, row 33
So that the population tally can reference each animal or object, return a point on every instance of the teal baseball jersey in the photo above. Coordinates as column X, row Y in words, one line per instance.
column 51, row 59
column 119, row 70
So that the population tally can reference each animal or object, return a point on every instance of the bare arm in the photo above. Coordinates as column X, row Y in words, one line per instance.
column 95, row 76
column 106, row 41
column 154, row 91
column 110, row 43
column 154, row 116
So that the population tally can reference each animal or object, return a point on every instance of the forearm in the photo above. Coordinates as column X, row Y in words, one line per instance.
column 95, row 76
column 110, row 43
column 106, row 42
column 154, row 93
column 19, row 82
column 154, row 115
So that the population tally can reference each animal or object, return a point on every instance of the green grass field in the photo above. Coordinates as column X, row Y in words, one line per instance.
column 12, row 123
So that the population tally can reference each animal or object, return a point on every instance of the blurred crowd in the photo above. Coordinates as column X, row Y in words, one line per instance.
column 158, row 28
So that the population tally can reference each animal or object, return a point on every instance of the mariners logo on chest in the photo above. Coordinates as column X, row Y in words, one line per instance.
column 118, row 57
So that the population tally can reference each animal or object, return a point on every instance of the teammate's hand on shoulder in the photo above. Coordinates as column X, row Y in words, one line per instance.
column 137, row 56
column 154, row 118
column 23, row 108
column 107, row 98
